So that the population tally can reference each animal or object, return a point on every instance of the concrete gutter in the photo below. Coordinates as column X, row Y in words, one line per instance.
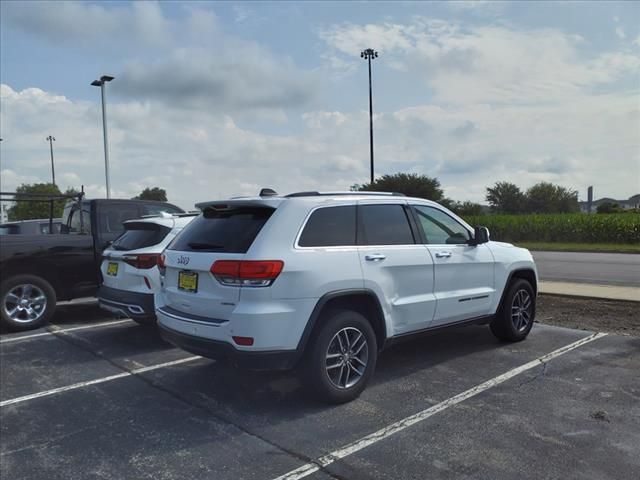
column 609, row 292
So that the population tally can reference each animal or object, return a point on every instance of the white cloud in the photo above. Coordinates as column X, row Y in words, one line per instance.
column 500, row 103
column 620, row 33
column 196, row 155
column 490, row 63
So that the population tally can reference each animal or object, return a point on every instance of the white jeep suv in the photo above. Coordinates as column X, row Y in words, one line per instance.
column 325, row 281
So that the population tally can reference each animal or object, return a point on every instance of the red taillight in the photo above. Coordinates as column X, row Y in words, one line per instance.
column 249, row 273
column 142, row 260
column 244, row 341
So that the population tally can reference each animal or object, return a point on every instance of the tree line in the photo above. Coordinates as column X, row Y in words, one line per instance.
column 502, row 197
column 31, row 210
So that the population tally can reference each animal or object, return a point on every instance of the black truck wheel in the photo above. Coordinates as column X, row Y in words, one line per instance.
column 27, row 302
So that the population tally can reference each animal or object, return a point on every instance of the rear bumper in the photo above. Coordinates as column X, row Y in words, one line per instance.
column 139, row 306
column 261, row 360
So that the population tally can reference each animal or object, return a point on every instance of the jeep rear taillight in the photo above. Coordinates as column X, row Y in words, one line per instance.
column 142, row 260
column 247, row 273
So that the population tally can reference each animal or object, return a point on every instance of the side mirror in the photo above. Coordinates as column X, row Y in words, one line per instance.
column 480, row 235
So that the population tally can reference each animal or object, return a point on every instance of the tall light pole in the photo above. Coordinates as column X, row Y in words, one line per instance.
column 369, row 54
column 100, row 83
column 52, row 139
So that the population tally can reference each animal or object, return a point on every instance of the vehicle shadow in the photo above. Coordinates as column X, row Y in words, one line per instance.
column 78, row 313
column 273, row 397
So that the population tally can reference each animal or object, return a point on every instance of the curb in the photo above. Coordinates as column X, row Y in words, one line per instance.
column 588, row 290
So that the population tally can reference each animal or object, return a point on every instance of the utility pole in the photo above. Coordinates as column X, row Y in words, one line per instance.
column 52, row 139
column 368, row 55
column 100, row 83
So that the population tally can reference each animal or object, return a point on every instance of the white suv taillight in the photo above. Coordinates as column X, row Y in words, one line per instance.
column 247, row 273
column 141, row 260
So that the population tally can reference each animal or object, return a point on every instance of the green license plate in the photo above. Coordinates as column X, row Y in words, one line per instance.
column 188, row 281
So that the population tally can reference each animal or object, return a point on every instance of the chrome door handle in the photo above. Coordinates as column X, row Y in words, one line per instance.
column 443, row 254
column 375, row 257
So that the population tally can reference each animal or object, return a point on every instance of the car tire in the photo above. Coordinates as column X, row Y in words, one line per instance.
column 342, row 357
column 516, row 315
column 26, row 302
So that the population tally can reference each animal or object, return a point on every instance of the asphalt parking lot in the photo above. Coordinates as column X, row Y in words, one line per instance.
column 93, row 397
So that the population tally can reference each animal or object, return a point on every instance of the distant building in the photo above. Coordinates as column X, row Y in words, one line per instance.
column 632, row 202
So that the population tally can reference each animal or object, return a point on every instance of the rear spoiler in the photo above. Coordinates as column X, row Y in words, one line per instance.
column 272, row 202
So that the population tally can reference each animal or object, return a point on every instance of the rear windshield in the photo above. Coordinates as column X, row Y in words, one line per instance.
column 228, row 231
column 140, row 235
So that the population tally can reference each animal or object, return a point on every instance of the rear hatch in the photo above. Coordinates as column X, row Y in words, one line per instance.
column 222, row 232
column 131, row 254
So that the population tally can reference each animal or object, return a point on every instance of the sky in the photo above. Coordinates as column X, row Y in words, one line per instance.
column 219, row 99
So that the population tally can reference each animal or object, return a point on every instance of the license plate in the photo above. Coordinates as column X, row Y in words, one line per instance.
column 112, row 269
column 188, row 281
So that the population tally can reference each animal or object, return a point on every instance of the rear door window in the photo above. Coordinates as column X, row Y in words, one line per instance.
column 112, row 215
column 384, row 225
column 226, row 230
column 330, row 227
column 140, row 235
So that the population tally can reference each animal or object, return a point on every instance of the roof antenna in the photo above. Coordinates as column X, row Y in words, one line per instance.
column 268, row 192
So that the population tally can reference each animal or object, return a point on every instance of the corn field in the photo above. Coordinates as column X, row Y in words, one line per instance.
column 564, row 227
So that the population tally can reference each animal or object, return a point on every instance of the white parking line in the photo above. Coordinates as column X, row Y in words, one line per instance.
column 400, row 425
column 57, row 330
column 74, row 386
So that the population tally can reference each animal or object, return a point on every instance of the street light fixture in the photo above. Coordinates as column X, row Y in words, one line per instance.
column 100, row 83
column 369, row 54
column 52, row 139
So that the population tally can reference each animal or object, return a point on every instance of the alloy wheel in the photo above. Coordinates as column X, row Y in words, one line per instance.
column 347, row 357
column 521, row 310
column 25, row 303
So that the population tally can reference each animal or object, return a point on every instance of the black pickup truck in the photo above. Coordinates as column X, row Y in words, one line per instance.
column 38, row 270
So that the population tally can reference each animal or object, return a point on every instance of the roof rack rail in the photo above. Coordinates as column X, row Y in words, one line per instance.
column 321, row 194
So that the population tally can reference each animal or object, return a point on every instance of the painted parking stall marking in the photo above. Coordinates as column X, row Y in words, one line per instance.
column 96, row 381
column 407, row 422
column 56, row 330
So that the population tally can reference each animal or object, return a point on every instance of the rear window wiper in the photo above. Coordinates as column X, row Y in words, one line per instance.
column 204, row 246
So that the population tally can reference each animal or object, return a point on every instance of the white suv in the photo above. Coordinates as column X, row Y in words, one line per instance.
column 130, row 277
column 325, row 281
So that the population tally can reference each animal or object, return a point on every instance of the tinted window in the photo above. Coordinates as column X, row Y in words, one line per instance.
column 229, row 231
column 140, row 235
column 384, row 225
column 440, row 228
column 156, row 209
column 111, row 216
column 331, row 226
